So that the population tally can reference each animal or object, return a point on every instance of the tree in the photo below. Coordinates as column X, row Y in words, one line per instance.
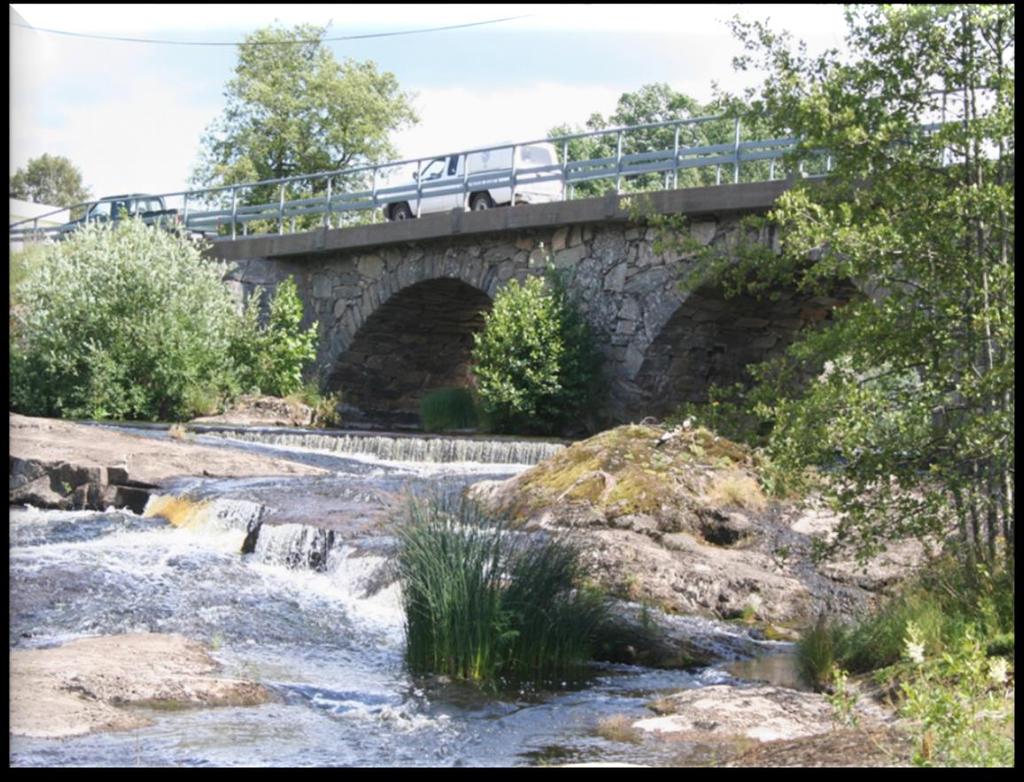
column 293, row 109
column 49, row 179
column 535, row 362
column 651, row 104
column 913, row 416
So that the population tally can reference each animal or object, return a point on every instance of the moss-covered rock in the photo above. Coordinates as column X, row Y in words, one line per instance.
column 677, row 519
column 683, row 480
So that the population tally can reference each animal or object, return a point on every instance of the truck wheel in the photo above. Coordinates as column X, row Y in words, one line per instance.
column 480, row 202
column 401, row 212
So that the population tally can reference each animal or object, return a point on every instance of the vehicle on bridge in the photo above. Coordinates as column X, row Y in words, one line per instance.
column 151, row 209
column 483, row 180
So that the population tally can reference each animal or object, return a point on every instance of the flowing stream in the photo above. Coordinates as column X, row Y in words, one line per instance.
column 310, row 617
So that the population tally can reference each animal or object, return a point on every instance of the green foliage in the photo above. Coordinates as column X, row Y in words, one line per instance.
column 912, row 418
column 842, row 699
column 943, row 605
column 448, row 408
column 817, row 653
column 962, row 706
column 536, row 363
column 49, row 179
column 658, row 102
column 120, row 321
column 270, row 357
column 727, row 412
column 483, row 602
column 22, row 262
column 326, row 413
column 293, row 109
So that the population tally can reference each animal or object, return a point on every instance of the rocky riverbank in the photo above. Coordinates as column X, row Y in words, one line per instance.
column 677, row 519
column 60, row 464
column 88, row 684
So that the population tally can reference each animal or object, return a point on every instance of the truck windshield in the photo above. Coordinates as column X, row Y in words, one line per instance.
column 434, row 170
column 537, row 156
column 100, row 210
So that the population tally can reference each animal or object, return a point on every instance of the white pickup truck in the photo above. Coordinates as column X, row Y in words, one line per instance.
column 487, row 176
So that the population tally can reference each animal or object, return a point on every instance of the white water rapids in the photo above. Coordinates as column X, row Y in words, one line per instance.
column 326, row 638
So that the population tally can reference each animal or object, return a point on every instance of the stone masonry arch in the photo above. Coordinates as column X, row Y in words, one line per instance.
column 418, row 340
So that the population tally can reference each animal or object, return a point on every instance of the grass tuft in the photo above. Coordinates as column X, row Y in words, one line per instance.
column 618, row 728
column 484, row 603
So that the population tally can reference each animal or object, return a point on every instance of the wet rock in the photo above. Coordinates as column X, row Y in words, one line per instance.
column 79, row 687
column 724, row 713
column 63, row 465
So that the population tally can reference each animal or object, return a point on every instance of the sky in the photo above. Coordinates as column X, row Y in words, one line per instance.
column 131, row 115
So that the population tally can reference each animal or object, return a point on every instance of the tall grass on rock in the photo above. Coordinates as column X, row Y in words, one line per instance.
column 120, row 322
column 485, row 603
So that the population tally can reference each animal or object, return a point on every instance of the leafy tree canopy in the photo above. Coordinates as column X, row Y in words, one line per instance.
column 654, row 103
column 913, row 416
column 293, row 109
column 49, row 179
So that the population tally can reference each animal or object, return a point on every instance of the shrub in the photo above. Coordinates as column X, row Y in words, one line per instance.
column 944, row 606
column 483, row 602
column 121, row 322
column 960, row 705
column 448, row 408
column 270, row 356
column 536, row 364
column 326, row 413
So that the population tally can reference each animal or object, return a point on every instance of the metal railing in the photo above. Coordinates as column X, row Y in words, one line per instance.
column 330, row 196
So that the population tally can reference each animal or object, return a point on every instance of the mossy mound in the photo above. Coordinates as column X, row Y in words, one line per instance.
column 640, row 470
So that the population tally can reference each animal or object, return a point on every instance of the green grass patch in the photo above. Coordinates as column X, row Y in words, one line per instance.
column 944, row 647
column 488, row 604
column 943, row 605
column 449, row 408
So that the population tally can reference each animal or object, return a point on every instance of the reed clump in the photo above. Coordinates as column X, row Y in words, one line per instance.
column 488, row 604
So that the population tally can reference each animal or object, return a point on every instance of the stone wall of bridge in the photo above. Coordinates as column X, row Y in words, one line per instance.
column 396, row 321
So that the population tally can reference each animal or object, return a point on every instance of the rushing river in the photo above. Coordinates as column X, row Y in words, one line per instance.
column 327, row 641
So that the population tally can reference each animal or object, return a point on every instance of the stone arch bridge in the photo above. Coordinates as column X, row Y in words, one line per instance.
column 397, row 303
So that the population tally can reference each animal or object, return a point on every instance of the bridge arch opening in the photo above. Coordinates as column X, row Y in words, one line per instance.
column 714, row 340
column 419, row 340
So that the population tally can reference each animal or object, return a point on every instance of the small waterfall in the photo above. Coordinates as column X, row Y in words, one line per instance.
column 408, row 448
column 217, row 515
column 291, row 545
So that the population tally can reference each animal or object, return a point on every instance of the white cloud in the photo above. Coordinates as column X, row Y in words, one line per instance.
column 452, row 119
column 620, row 17
column 138, row 140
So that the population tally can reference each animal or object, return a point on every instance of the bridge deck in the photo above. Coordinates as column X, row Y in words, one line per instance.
column 751, row 197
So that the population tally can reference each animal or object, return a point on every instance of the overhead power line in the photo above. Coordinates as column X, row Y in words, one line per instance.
column 270, row 43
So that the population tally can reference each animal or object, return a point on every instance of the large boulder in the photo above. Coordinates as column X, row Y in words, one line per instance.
column 677, row 518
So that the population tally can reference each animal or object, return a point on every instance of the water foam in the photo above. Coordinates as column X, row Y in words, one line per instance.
column 391, row 448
